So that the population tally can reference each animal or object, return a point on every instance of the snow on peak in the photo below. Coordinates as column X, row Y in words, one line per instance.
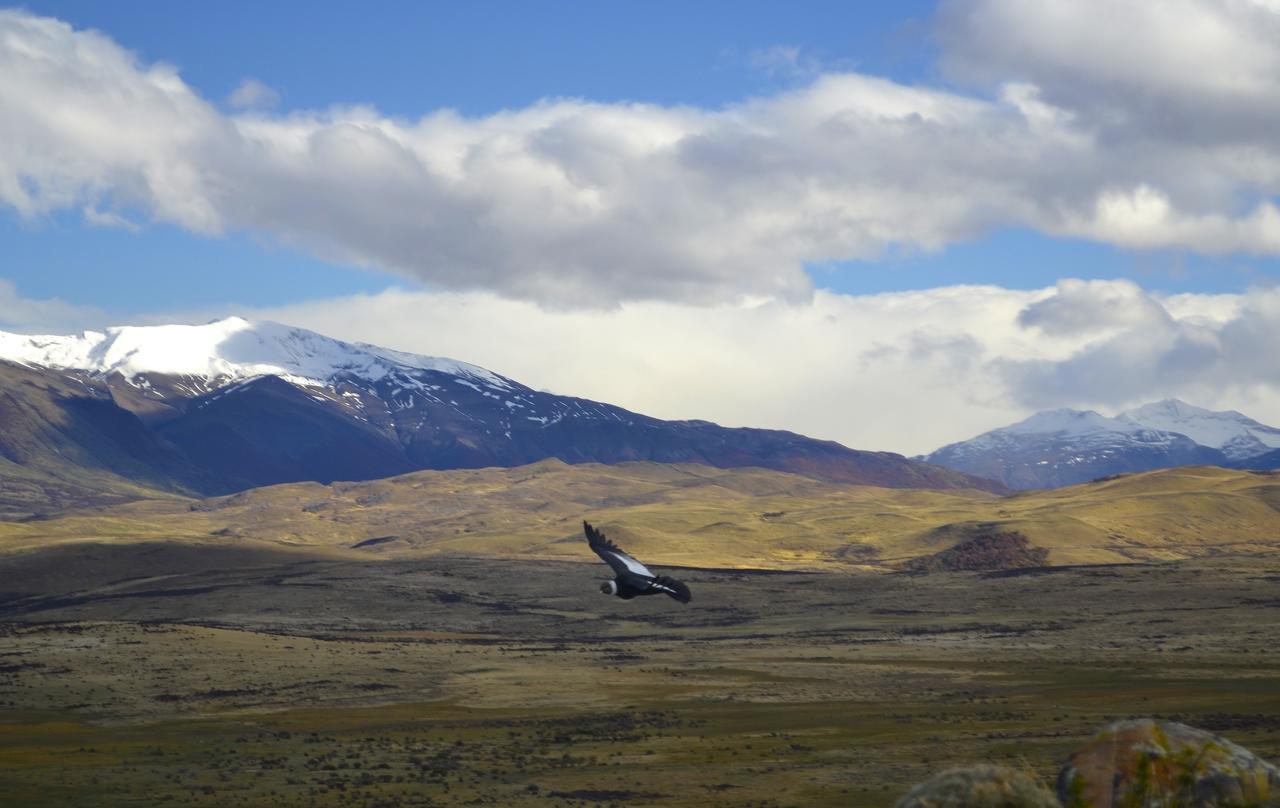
column 1168, row 408
column 230, row 349
column 1068, row 422
column 1236, row 434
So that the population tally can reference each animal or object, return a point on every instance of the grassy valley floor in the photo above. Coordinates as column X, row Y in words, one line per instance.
column 277, row 679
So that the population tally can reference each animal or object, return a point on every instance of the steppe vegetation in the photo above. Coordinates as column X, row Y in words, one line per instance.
column 276, row 680
column 439, row 639
column 698, row 516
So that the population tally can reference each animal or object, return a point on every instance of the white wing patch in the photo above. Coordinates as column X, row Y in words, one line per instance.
column 632, row 564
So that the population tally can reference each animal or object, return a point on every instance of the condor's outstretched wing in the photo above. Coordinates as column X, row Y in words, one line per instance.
column 613, row 554
column 672, row 587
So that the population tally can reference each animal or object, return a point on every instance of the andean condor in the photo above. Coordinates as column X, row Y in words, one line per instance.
column 633, row 578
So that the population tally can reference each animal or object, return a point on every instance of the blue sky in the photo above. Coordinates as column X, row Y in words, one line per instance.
column 409, row 59
column 479, row 57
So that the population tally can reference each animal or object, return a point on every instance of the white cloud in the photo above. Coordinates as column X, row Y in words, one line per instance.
column 1178, row 70
column 1136, row 347
column 253, row 94
column 1090, row 308
column 1179, row 99
column 1133, row 126
column 85, row 124
column 26, row 315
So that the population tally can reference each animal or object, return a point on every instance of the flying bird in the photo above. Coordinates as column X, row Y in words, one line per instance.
column 633, row 578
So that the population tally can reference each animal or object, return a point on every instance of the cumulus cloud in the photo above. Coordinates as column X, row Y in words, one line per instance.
column 1133, row 127
column 1178, row 71
column 1089, row 307
column 1180, row 101
column 1135, row 346
column 86, row 124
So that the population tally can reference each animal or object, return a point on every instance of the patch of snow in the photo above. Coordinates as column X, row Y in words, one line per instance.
column 1068, row 422
column 231, row 350
column 1236, row 434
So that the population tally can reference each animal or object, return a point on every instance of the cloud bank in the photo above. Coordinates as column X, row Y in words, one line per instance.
column 905, row 372
column 1142, row 125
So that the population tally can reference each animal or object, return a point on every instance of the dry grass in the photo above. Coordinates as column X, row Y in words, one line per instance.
column 701, row 516
column 275, row 681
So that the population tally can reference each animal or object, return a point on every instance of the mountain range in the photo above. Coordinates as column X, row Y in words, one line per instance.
column 236, row 404
column 1065, row 446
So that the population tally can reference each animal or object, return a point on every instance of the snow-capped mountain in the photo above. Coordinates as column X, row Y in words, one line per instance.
column 224, row 351
column 1064, row 447
column 1238, row 436
column 234, row 404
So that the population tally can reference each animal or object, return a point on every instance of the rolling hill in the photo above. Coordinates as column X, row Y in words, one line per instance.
column 699, row 516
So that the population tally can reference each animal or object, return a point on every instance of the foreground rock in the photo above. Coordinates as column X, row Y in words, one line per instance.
column 1151, row 763
column 981, row 786
column 1142, row 763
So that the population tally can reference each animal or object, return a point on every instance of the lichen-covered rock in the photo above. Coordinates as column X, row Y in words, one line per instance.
column 1150, row 764
column 982, row 786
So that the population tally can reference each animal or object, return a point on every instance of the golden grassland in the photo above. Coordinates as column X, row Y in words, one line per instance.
column 421, row 640
column 700, row 516
column 446, row 681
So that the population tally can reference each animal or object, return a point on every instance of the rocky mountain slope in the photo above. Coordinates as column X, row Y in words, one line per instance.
column 65, row 444
column 235, row 404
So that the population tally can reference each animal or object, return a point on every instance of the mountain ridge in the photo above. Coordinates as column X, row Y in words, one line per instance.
column 1065, row 446
column 1237, row 435
column 248, row 404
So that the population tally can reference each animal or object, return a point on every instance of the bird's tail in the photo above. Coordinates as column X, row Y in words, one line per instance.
column 674, row 588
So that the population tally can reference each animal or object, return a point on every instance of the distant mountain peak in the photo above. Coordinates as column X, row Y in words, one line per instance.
column 1236, row 434
column 1170, row 407
column 230, row 349
column 1066, row 446
column 1062, row 420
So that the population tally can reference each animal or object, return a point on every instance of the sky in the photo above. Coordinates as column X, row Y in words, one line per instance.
column 892, row 225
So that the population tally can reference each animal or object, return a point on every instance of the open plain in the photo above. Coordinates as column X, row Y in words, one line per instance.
column 162, row 673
